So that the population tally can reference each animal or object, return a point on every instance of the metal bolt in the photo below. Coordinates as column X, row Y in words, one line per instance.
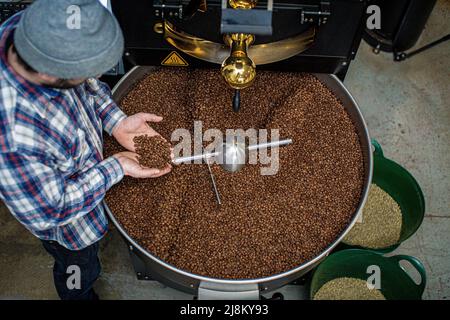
column 376, row 50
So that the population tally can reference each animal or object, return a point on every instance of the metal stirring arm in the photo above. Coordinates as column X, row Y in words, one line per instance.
column 213, row 181
column 234, row 158
column 208, row 155
column 272, row 144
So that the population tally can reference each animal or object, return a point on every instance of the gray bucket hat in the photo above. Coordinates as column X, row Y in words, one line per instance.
column 69, row 39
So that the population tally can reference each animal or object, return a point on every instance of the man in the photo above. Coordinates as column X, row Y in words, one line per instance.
column 53, row 177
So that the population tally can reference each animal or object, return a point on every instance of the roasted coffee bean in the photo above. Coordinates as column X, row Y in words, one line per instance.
column 266, row 224
column 154, row 152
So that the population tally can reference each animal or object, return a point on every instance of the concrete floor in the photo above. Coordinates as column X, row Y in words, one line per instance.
column 406, row 106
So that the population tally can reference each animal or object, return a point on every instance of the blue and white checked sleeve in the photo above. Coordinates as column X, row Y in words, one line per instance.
column 43, row 198
column 108, row 111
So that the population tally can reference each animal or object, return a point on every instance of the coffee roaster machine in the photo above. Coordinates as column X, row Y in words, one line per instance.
column 242, row 36
column 238, row 38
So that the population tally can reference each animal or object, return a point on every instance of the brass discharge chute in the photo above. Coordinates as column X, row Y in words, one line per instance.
column 236, row 45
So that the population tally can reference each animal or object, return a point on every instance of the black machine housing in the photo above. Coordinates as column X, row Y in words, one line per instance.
column 340, row 24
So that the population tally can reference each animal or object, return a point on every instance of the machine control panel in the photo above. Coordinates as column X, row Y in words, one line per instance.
column 185, row 9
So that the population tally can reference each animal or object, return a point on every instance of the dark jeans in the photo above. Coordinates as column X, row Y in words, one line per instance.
column 74, row 272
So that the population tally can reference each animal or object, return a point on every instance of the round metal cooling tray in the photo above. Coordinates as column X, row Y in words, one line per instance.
column 211, row 288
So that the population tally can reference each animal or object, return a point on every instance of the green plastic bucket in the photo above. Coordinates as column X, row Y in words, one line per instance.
column 395, row 282
column 404, row 189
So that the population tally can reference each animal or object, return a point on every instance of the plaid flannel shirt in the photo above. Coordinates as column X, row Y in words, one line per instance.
column 52, row 174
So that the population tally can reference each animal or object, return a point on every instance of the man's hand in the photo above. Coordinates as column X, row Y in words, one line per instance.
column 135, row 125
column 131, row 167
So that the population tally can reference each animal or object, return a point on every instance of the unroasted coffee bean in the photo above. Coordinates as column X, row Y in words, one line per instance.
column 381, row 224
column 347, row 289
column 154, row 152
column 266, row 224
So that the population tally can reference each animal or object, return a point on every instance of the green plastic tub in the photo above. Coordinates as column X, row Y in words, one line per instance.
column 395, row 282
column 404, row 189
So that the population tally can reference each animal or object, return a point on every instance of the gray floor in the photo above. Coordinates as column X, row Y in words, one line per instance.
column 406, row 106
